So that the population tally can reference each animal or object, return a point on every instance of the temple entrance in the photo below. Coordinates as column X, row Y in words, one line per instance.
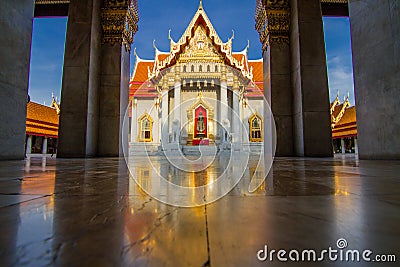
column 200, row 126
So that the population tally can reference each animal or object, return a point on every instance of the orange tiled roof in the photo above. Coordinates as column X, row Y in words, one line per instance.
column 349, row 117
column 162, row 56
column 347, row 125
column 142, row 67
column 41, row 120
column 257, row 70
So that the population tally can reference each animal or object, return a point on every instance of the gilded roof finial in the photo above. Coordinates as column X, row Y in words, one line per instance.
column 201, row 4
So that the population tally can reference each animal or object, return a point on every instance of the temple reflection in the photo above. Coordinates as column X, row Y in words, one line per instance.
column 157, row 177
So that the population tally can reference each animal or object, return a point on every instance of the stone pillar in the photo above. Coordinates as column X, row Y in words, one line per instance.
column 79, row 95
column 311, row 116
column 164, row 115
column 355, row 146
column 95, row 81
column 223, row 111
column 28, row 145
column 177, row 96
column 113, row 100
column 273, row 25
column 134, row 122
column 224, row 96
column 44, row 145
column 15, row 50
column 343, row 145
column 236, row 115
column 119, row 24
column 375, row 31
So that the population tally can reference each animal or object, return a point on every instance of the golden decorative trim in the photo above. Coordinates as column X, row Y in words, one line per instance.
column 176, row 48
column 335, row 1
column 51, row 2
column 256, row 116
column 147, row 117
column 273, row 21
column 210, row 116
column 119, row 20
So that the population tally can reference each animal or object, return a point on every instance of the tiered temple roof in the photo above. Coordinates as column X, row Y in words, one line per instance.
column 146, row 70
column 343, row 119
column 41, row 120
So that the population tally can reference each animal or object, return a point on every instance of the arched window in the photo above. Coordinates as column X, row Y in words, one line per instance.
column 255, row 126
column 184, row 68
column 192, row 68
column 146, row 128
column 208, row 68
column 216, row 68
column 200, row 68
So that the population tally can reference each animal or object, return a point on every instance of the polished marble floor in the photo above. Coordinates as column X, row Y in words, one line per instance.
column 76, row 212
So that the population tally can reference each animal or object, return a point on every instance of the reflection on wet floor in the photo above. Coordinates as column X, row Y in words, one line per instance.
column 91, row 212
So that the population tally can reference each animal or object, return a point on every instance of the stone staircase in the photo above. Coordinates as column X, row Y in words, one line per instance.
column 195, row 150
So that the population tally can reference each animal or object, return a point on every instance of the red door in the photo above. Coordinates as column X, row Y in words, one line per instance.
column 200, row 123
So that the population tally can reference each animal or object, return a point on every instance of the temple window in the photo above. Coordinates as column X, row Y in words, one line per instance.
column 255, row 125
column 192, row 68
column 216, row 68
column 184, row 68
column 146, row 128
column 208, row 68
column 200, row 68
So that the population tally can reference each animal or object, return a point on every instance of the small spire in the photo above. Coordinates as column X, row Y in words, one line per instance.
column 201, row 4
column 233, row 35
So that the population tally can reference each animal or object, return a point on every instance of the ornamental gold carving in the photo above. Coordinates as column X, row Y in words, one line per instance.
column 273, row 21
column 119, row 20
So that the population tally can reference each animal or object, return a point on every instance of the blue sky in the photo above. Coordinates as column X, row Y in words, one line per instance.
column 49, row 39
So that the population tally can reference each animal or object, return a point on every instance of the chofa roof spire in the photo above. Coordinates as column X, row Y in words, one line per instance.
column 201, row 4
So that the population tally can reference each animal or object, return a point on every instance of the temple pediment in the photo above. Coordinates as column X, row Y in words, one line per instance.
column 200, row 47
column 200, row 40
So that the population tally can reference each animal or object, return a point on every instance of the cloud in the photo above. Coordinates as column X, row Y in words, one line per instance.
column 340, row 76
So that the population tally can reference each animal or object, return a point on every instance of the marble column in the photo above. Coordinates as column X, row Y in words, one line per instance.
column 355, row 146
column 277, row 91
column 28, row 145
column 224, row 100
column 236, row 116
column 223, row 111
column 15, row 50
column 177, row 96
column 164, row 116
column 113, row 101
column 134, row 122
column 311, row 116
column 343, row 145
column 79, row 95
column 375, row 33
column 44, row 145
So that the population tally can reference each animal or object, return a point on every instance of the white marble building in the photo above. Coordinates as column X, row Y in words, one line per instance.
column 200, row 93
